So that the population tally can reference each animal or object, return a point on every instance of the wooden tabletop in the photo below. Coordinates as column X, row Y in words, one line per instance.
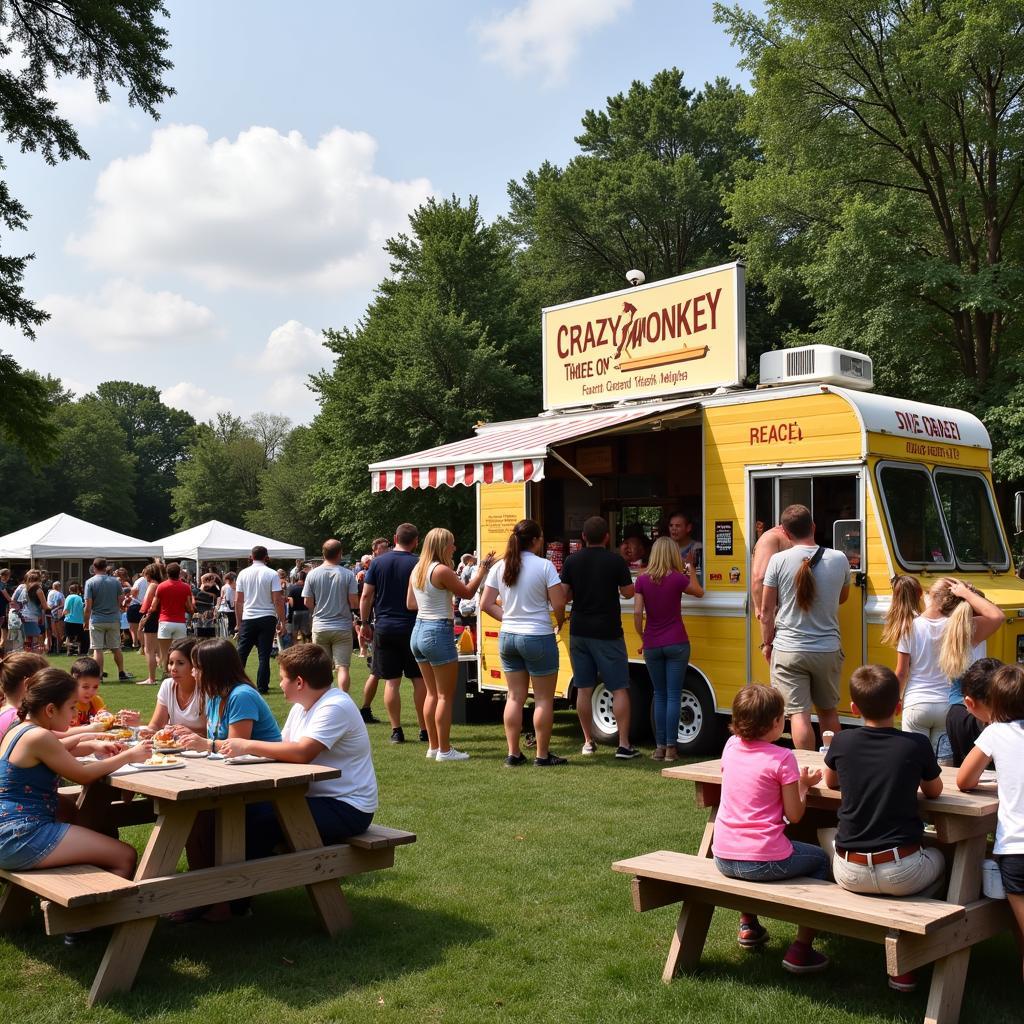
column 202, row 777
column 979, row 802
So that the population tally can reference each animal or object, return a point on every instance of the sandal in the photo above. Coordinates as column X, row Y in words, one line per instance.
column 659, row 754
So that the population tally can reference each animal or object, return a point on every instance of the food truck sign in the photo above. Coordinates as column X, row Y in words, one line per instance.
column 684, row 334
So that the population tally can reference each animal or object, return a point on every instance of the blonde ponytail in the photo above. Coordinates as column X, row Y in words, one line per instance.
column 956, row 648
column 904, row 608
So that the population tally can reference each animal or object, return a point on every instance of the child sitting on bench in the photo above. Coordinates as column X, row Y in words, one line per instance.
column 760, row 783
column 878, row 770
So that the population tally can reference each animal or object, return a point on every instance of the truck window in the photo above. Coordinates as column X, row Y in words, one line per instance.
column 967, row 504
column 915, row 521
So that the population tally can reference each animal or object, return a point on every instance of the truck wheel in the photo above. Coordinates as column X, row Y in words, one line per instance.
column 605, row 727
column 700, row 728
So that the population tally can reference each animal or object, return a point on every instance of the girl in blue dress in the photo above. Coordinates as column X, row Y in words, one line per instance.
column 32, row 763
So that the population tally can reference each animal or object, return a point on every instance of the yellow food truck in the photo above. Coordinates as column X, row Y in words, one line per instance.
column 645, row 414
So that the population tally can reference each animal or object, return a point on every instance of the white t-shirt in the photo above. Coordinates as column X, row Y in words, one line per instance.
column 1004, row 743
column 258, row 582
column 139, row 590
column 927, row 683
column 227, row 598
column 192, row 717
column 334, row 721
column 525, row 607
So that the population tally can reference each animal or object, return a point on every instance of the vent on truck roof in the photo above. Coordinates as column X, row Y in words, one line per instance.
column 820, row 364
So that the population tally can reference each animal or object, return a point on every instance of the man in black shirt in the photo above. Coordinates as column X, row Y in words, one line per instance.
column 384, row 596
column 878, row 770
column 597, row 578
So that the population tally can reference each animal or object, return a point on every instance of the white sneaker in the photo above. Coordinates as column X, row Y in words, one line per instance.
column 589, row 749
column 452, row 755
column 432, row 752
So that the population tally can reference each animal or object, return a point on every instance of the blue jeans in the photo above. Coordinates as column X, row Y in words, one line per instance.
column 806, row 861
column 433, row 642
column 667, row 668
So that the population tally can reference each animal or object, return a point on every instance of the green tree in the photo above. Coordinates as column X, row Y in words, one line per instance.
column 95, row 471
column 889, row 192
column 287, row 509
column 220, row 475
column 647, row 191
column 158, row 436
column 448, row 340
column 118, row 43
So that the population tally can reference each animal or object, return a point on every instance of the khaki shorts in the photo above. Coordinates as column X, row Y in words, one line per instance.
column 105, row 636
column 337, row 643
column 807, row 679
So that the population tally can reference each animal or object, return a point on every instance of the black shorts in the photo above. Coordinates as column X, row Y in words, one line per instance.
column 392, row 657
column 134, row 613
column 152, row 624
column 1011, row 870
column 963, row 729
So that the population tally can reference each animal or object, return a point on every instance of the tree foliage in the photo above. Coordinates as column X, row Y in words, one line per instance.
column 287, row 510
column 647, row 191
column 158, row 437
column 890, row 187
column 120, row 43
column 448, row 340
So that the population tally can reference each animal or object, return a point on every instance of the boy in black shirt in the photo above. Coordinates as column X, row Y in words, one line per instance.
column 878, row 770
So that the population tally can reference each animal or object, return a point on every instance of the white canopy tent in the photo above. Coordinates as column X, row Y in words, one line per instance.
column 218, row 540
column 64, row 536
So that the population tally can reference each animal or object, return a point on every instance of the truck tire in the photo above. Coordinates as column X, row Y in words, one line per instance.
column 605, row 728
column 701, row 729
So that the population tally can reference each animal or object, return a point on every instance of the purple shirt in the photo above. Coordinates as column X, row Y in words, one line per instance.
column 664, row 623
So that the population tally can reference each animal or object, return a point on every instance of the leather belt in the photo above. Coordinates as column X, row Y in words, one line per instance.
column 881, row 857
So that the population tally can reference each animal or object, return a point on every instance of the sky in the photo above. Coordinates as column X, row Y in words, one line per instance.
column 205, row 253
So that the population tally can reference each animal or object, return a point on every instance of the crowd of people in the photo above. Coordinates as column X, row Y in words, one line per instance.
column 400, row 608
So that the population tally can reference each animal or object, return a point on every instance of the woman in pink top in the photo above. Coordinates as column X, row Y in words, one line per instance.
column 666, row 647
column 760, row 784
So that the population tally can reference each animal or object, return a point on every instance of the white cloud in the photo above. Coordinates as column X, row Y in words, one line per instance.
column 124, row 317
column 292, row 352
column 76, row 100
column 543, row 36
column 265, row 210
column 197, row 400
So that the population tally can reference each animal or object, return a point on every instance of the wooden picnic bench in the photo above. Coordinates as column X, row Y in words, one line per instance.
column 78, row 897
column 915, row 930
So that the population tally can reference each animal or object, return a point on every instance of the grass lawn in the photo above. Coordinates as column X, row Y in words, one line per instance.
column 504, row 910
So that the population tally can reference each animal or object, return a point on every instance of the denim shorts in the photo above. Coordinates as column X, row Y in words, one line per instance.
column 30, row 627
column 593, row 657
column 26, row 850
column 433, row 642
column 521, row 652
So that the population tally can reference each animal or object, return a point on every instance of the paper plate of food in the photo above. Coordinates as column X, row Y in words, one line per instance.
column 159, row 762
column 165, row 742
column 248, row 759
column 195, row 753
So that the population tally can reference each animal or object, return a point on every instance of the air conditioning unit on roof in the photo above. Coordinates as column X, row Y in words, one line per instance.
column 817, row 364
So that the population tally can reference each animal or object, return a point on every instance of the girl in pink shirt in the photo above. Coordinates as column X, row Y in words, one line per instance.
column 760, row 783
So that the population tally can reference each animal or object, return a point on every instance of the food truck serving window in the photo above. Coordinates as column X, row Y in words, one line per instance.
column 966, row 500
column 915, row 520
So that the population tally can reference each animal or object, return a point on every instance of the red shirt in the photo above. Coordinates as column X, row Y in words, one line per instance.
column 172, row 595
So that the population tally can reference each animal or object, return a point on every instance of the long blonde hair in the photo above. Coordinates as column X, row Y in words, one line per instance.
column 435, row 549
column 907, row 604
column 665, row 558
column 957, row 648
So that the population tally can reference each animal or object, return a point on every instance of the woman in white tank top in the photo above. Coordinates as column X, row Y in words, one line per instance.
column 433, row 587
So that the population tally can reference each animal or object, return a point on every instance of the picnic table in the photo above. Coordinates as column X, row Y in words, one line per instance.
column 915, row 930
column 80, row 896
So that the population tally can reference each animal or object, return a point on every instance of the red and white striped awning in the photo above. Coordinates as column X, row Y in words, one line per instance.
column 509, row 452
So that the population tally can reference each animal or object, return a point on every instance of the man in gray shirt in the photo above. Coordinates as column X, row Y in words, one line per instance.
column 332, row 594
column 803, row 589
column 102, row 618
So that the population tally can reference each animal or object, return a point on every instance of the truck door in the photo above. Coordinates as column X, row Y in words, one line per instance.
column 832, row 495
